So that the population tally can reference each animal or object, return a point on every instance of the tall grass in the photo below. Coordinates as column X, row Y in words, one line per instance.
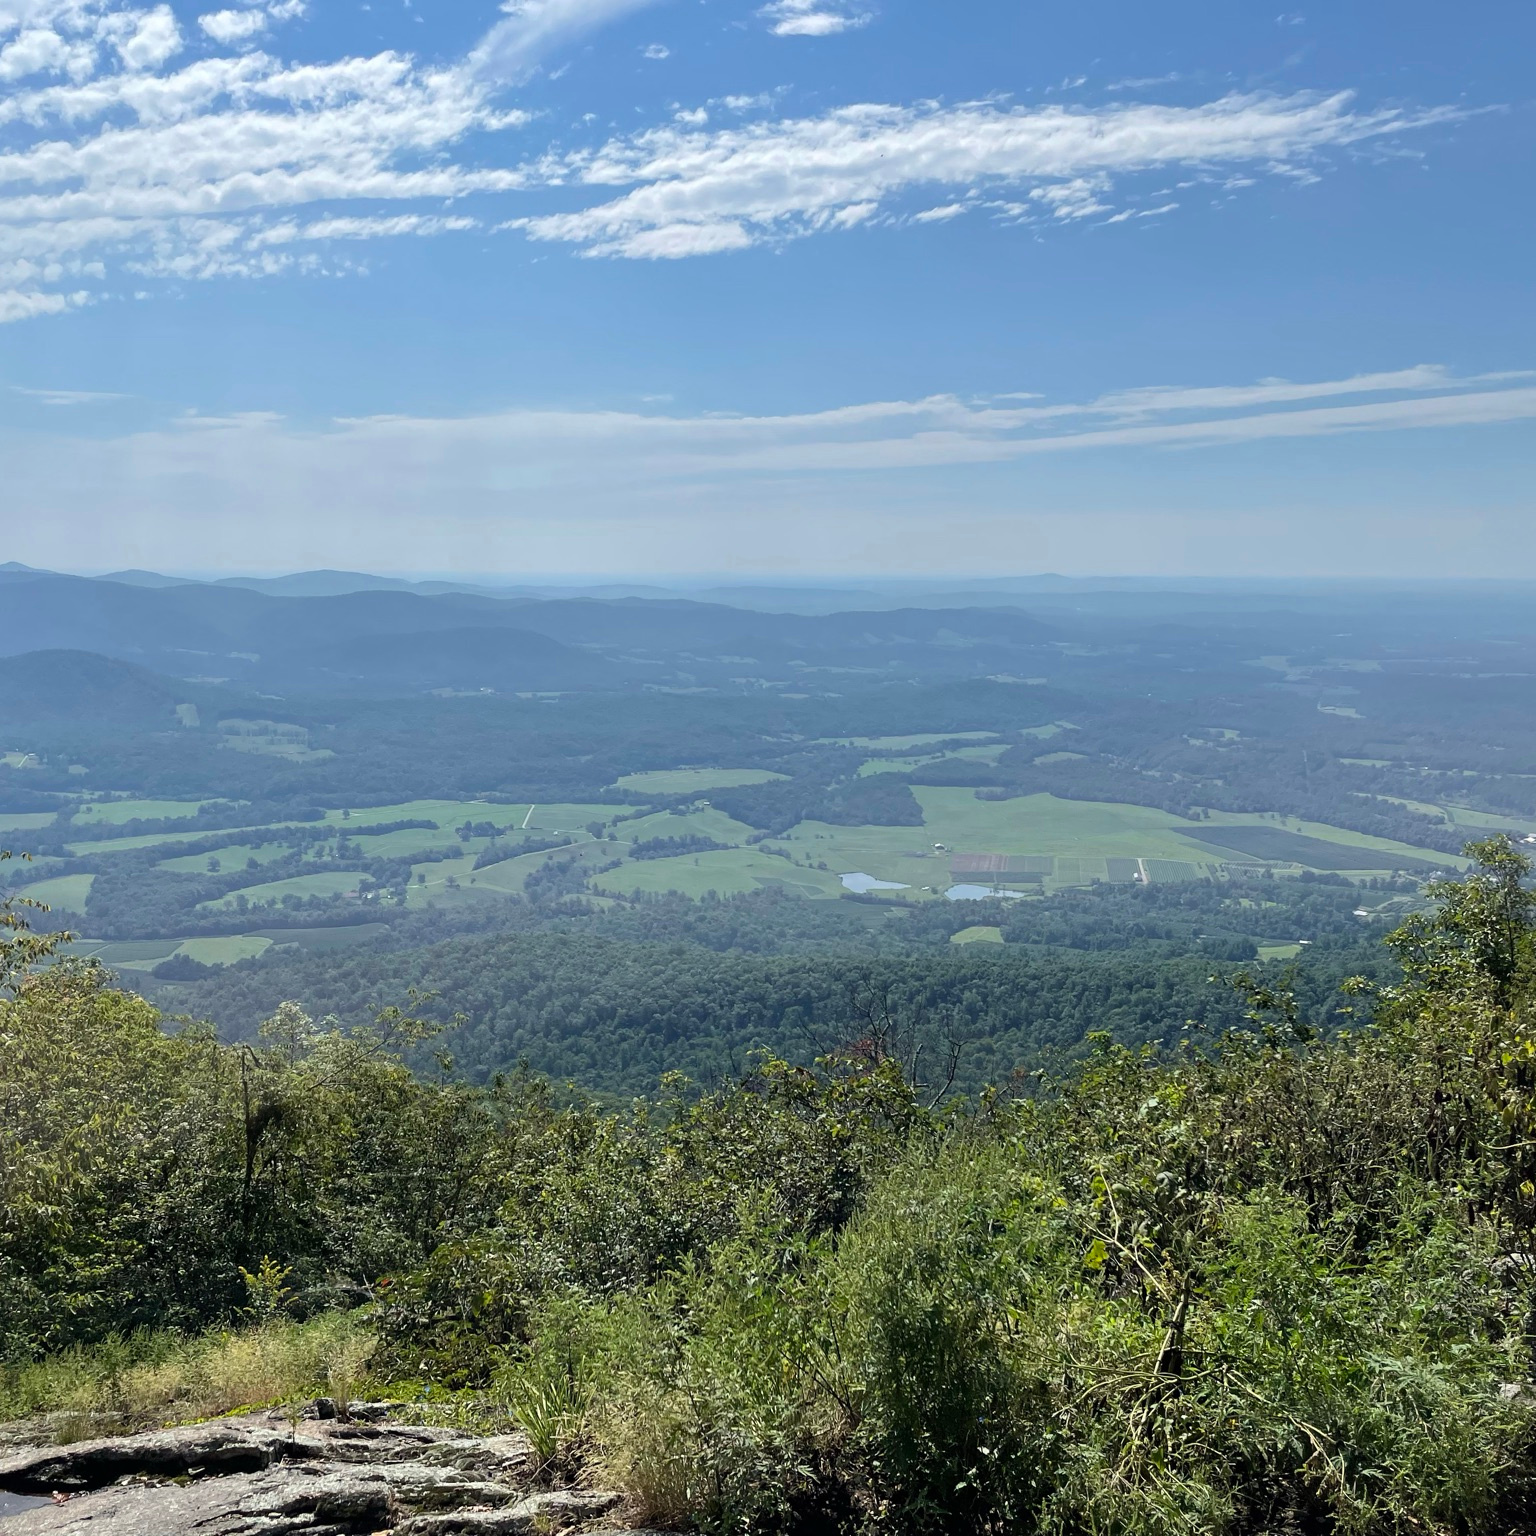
column 148, row 1379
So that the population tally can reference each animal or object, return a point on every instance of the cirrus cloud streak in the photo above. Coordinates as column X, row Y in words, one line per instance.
column 699, row 192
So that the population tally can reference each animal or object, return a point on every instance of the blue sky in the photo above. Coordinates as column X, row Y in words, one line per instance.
column 802, row 287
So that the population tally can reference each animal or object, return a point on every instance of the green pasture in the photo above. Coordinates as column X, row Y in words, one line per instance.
column 726, row 871
column 229, row 858
column 115, row 812
column 146, row 954
column 1477, row 822
column 983, row 754
column 704, row 822
column 565, row 817
column 1090, row 832
column 438, row 874
column 24, row 821
column 978, row 934
column 321, row 938
column 1042, row 824
column 688, row 781
column 64, row 893
column 1459, row 816
column 129, row 844
column 1279, row 951
column 327, row 882
column 1330, row 834
column 457, row 880
column 414, row 840
column 225, row 950
column 134, row 954
column 451, row 882
column 448, row 814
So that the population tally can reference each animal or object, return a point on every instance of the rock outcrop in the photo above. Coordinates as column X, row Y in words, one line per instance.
column 260, row 1475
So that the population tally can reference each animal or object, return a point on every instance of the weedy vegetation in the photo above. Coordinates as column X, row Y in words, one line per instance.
column 1271, row 1281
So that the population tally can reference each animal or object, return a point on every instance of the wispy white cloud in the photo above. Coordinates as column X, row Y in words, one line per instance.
column 65, row 396
column 813, row 18
column 534, row 29
column 779, row 180
column 540, row 480
column 128, row 148
column 877, row 435
column 203, row 170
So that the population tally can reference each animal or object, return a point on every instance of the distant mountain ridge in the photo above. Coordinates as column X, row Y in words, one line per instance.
column 386, row 641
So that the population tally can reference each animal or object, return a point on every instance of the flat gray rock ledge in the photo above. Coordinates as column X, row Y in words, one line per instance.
column 259, row 1475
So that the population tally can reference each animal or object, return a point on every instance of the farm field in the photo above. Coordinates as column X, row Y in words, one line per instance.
column 145, row 954
column 1034, row 824
column 1460, row 816
column 448, row 814
column 1331, row 834
column 326, row 882
column 687, row 781
column 1090, row 832
column 223, row 950
column 412, row 840
column 64, row 893
column 566, row 817
column 704, row 822
column 132, row 954
column 980, row 754
column 228, row 858
column 1277, row 844
column 115, row 812
column 979, row 934
column 131, row 844
column 23, row 821
column 325, row 938
column 1056, row 844
column 453, row 881
column 725, row 871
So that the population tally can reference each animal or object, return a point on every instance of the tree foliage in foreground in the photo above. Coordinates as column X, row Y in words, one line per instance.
column 1268, row 1282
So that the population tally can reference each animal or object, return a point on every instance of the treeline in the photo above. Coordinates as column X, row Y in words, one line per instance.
column 615, row 1015
column 612, row 997
column 672, row 847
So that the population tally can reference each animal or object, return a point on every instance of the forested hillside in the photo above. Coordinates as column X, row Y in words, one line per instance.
column 614, row 1000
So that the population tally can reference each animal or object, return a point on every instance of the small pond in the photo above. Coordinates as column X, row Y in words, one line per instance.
column 861, row 883
column 977, row 893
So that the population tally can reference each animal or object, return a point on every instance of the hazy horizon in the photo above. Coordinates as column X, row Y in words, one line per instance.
column 759, row 291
